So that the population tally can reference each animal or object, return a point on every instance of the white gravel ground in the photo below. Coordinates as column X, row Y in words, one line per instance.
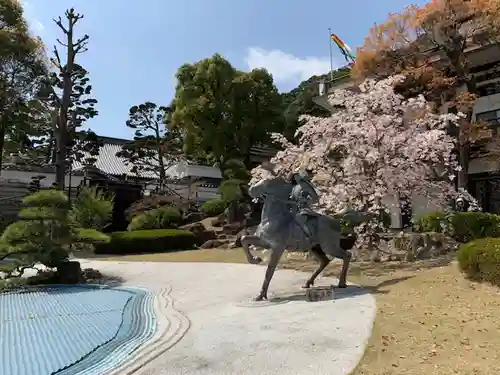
column 207, row 324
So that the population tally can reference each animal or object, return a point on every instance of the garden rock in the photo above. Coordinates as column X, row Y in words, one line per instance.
column 90, row 274
column 216, row 222
column 194, row 228
column 192, row 217
column 70, row 273
column 420, row 246
column 232, row 229
column 198, row 229
column 210, row 244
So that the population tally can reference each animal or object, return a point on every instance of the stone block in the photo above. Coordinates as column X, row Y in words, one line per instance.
column 321, row 293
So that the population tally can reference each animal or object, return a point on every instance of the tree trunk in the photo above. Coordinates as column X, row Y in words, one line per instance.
column 50, row 156
column 463, row 158
column 464, row 128
column 2, row 142
column 161, row 162
column 60, row 156
column 61, row 131
column 3, row 129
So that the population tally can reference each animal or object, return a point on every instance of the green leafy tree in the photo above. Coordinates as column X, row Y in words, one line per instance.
column 234, row 189
column 69, row 93
column 223, row 111
column 92, row 208
column 299, row 101
column 153, row 150
column 22, row 72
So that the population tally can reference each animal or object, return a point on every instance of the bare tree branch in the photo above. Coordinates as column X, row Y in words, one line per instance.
column 58, row 22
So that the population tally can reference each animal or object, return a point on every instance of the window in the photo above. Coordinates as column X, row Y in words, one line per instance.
column 492, row 117
column 489, row 89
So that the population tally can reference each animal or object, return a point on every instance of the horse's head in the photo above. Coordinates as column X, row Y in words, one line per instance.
column 271, row 186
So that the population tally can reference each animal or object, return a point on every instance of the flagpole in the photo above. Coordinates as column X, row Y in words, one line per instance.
column 331, row 53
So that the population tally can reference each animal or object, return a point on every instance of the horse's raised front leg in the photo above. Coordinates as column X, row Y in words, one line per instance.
column 246, row 241
column 274, row 259
column 323, row 260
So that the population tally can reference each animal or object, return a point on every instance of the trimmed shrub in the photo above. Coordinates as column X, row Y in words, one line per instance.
column 468, row 226
column 44, row 233
column 462, row 226
column 213, row 207
column 431, row 222
column 480, row 260
column 159, row 218
column 92, row 208
column 146, row 220
column 90, row 236
column 158, row 201
column 147, row 241
column 170, row 217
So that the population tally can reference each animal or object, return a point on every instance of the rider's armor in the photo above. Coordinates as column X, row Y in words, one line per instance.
column 304, row 194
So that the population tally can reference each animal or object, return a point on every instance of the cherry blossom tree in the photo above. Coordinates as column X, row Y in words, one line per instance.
column 377, row 146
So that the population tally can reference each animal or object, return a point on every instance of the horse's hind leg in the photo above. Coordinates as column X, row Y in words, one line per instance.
column 323, row 260
column 333, row 249
column 346, row 260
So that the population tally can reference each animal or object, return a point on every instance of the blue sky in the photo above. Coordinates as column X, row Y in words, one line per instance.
column 136, row 48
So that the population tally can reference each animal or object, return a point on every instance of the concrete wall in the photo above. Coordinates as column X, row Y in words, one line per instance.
column 487, row 103
column 21, row 176
column 192, row 191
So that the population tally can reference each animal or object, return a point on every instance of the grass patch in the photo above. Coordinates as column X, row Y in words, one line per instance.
column 202, row 255
column 430, row 319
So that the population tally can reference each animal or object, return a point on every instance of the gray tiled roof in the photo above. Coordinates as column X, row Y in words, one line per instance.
column 108, row 162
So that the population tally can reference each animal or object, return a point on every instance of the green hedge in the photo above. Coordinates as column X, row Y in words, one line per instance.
column 158, row 218
column 480, row 260
column 213, row 207
column 431, row 222
column 463, row 226
column 468, row 226
column 147, row 241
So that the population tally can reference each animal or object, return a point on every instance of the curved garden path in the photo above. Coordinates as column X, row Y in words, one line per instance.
column 207, row 324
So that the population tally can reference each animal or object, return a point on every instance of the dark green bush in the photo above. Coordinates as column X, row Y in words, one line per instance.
column 90, row 236
column 159, row 218
column 92, row 208
column 468, row 226
column 146, row 220
column 170, row 217
column 480, row 260
column 431, row 222
column 462, row 226
column 213, row 207
column 147, row 241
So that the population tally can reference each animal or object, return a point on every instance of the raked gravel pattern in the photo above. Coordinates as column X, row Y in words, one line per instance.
column 206, row 323
column 69, row 330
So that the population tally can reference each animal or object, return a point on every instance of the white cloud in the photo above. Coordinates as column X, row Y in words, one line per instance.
column 34, row 23
column 285, row 67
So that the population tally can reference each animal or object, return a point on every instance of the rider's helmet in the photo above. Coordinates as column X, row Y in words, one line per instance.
column 301, row 174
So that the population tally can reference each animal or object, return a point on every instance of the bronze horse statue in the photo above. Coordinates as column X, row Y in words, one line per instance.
column 279, row 231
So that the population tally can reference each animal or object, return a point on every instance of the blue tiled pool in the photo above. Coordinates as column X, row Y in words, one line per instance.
column 72, row 329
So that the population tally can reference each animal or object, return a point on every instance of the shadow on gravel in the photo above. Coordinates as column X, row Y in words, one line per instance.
column 341, row 293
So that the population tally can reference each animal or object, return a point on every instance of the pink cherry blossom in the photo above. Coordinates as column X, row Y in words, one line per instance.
column 379, row 145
